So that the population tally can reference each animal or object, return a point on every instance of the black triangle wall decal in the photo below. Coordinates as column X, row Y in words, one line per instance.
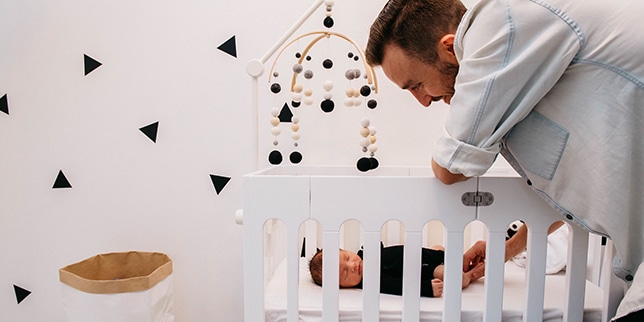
column 90, row 64
column 61, row 181
column 219, row 182
column 151, row 131
column 4, row 104
column 21, row 293
column 286, row 115
column 229, row 47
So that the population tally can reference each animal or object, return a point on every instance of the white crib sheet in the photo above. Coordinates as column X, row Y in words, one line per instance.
column 310, row 302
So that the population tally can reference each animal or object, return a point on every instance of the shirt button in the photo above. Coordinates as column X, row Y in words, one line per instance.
column 529, row 182
column 629, row 278
column 569, row 216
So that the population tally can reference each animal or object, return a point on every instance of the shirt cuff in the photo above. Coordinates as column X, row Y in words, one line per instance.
column 459, row 157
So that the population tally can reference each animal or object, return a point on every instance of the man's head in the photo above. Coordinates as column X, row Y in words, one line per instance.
column 413, row 42
column 350, row 268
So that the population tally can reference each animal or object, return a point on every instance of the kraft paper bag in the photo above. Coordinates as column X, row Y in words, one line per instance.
column 125, row 287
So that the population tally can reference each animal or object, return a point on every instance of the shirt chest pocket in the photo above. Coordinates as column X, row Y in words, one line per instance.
column 537, row 143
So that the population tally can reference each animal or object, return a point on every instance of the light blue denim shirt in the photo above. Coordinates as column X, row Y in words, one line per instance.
column 557, row 87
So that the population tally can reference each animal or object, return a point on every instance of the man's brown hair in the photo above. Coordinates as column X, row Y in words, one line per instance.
column 416, row 26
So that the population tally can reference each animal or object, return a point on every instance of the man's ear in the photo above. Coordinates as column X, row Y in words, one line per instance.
column 446, row 49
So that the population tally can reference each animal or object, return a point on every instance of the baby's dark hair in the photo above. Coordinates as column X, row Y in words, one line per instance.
column 315, row 267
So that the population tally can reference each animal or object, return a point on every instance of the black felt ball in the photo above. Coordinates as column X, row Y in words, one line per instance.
column 275, row 157
column 295, row 104
column 327, row 106
column 276, row 88
column 365, row 90
column 374, row 163
column 328, row 22
column 372, row 104
column 327, row 63
column 364, row 164
column 295, row 157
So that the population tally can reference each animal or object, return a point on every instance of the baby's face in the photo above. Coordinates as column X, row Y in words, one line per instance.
column 350, row 269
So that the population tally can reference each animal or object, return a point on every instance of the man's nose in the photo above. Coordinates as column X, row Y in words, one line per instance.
column 422, row 98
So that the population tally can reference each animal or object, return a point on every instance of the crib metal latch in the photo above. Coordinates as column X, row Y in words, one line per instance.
column 478, row 198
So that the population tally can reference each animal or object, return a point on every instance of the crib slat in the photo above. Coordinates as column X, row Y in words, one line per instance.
column 293, row 264
column 494, row 273
column 576, row 274
column 371, row 277
column 535, row 275
column 453, row 280
column 330, row 277
column 411, row 276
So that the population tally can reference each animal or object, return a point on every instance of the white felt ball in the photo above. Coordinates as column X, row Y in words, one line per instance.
column 328, row 95
column 297, row 97
column 275, row 121
column 364, row 142
column 348, row 101
column 275, row 111
column 373, row 148
column 308, row 100
column 365, row 122
column 357, row 102
column 295, row 119
column 297, row 88
column 308, row 92
column 276, row 131
column 295, row 127
column 328, row 85
column 329, row 3
column 295, row 136
column 373, row 130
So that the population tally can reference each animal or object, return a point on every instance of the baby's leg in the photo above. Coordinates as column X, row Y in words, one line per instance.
column 437, row 287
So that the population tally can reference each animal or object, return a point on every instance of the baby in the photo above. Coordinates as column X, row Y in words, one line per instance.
column 391, row 270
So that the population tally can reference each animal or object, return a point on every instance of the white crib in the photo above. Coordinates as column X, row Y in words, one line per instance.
column 412, row 196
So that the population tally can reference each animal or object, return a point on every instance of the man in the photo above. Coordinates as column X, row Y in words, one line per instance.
column 555, row 86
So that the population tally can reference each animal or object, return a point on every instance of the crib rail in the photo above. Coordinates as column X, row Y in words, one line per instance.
column 414, row 197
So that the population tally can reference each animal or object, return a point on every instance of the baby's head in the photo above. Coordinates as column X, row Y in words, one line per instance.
column 350, row 268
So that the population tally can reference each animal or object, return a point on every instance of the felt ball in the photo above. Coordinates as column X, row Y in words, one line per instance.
column 374, row 163
column 373, row 130
column 364, row 142
column 356, row 57
column 364, row 164
column 275, row 142
column 295, row 144
column 365, row 122
column 308, row 100
column 327, row 63
column 308, row 74
column 328, row 22
column 373, row 148
column 276, row 74
column 296, row 97
column 350, row 55
column 276, row 130
column 357, row 102
column 350, row 74
column 295, row 104
column 357, row 72
column 356, row 93
column 349, row 91
column 275, row 121
column 276, row 88
column 275, row 111
column 327, row 106
column 328, row 12
column 364, row 149
column 327, row 95
column 298, row 68
column 329, row 8
column 373, row 139
column 329, row 3
column 348, row 101
column 295, row 119
column 295, row 136
column 308, row 92
column 295, row 157
column 365, row 90
column 295, row 127
column 308, row 58
column 275, row 157
column 364, row 132
column 297, row 88
column 328, row 85
column 298, row 55
column 372, row 104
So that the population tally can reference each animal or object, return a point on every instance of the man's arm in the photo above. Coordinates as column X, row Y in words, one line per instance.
column 445, row 176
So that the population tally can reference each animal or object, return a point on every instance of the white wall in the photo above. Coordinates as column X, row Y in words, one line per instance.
column 160, row 62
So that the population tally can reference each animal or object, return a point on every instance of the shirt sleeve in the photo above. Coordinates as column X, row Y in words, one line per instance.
column 510, row 53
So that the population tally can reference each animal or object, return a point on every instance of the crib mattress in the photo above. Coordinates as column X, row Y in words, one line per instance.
column 350, row 306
